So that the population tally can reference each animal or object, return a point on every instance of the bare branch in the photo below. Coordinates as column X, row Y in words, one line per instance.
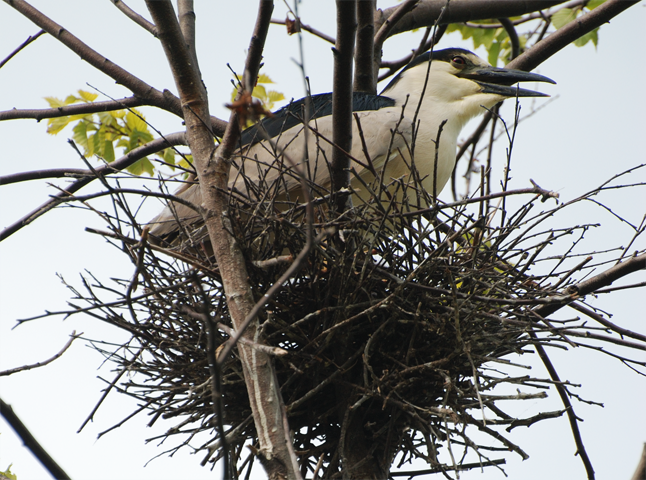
column 135, row 17
column 186, row 14
column 276, row 451
column 346, row 21
column 572, row 418
column 513, row 36
column 11, row 371
column 364, row 63
column 425, row 45
column 560, row 39
column 598, row 281
column 387, row 26
column 31, row 443
column 20, row 47
column 42, row 174
column 124, row 162
column 80, row 109
column 307, row 28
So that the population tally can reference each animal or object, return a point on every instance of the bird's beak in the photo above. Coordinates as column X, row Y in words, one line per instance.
column 499, row 81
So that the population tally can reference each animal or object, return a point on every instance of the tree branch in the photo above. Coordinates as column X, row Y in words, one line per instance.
column 135, row 17
column 598, row 281
column 364, row 76
column 151, row 96
column 79, row 109
column 387, row 26
column 31, row 443
column 346, row 26
column 11, row 371
column 212, row 167
column 307, row 28
column 560, row 39
column 20, row 47
column 124, row 162
column 426, row 12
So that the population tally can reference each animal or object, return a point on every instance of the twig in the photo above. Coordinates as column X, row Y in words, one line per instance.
column 20, row 47
column 307, row 28
column 79, row 109
column 135, row 17
column 11, row 371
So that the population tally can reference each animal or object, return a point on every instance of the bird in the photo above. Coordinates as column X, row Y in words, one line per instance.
column 395, row 130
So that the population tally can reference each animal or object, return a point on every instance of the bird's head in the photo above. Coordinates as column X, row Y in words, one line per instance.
column 460, row 80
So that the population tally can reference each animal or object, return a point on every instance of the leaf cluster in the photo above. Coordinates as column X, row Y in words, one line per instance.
column 102, row 133
column 498, row 44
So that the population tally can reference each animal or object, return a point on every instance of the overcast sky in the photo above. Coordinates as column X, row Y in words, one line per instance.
column 594, row 129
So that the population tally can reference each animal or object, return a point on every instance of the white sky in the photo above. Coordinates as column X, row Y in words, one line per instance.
column 592, row 131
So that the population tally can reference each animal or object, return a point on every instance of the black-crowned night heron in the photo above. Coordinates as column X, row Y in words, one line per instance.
column 451, row 86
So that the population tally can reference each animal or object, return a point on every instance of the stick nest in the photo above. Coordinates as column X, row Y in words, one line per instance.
column 394, row 334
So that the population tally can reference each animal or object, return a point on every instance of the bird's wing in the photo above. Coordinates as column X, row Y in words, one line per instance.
column 263, row 166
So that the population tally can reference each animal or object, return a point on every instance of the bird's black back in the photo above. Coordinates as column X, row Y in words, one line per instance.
column 293, row 114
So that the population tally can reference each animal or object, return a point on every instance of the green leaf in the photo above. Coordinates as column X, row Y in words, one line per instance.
column 80, row 134
column 107, row 119
column 592, row 4
column 70, row 99
column 168, row 156
column 8, row 474
column 134, row 120
column 260, row 92
column 94, row 144
column 592, row 36
column 563, row 17
column 108, row 151
column 54, row 102
column 467, row 32
column 87, row 96
column 262, row 78
column 142, row 166
column 484, row 36
column 494, row 51
column 55, row 125
column 186, row 162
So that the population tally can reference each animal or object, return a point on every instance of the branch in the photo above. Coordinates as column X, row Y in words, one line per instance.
column 598, row 281
column 346, row 26
column 212, row 166
column 427, row 12
column 513, row 36
column 11, row 371
column 389, row 23
column 572, row 418
column 31, row 443
column 307, row 28
column 42, row 174
column 135, row 17
column 20, row 47
column 425, row 45
column 364, row 77
column 186, row 16
column 79, row 109
column 124, row 162
column 570, row 32
column 151, row 96
column 583, row 288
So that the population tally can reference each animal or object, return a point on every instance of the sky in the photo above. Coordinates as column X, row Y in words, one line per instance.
column 591, row 130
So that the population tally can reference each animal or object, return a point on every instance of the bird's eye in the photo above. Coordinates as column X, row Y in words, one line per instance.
column 458, row 61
